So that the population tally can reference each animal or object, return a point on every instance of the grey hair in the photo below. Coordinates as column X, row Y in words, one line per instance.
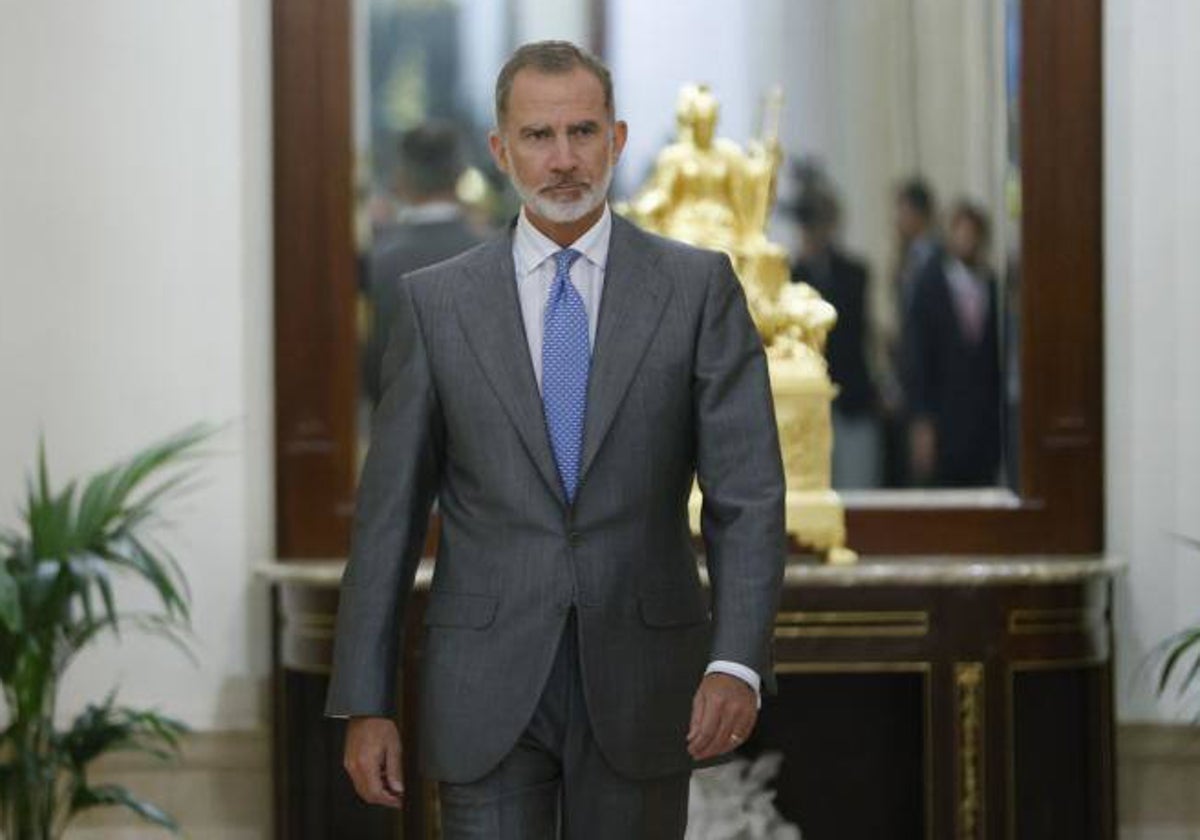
column 552, row 57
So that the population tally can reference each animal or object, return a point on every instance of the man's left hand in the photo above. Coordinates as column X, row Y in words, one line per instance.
column 723, row 715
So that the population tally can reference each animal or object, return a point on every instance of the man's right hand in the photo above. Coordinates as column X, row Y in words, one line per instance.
column 372, row 759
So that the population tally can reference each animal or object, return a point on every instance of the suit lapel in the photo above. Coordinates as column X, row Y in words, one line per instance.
column 631, row 306
column 490, row 314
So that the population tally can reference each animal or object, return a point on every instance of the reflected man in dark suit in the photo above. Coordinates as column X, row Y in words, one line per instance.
column 430, row 227
column 842, row 280
column 919, row 247
column 955, row 396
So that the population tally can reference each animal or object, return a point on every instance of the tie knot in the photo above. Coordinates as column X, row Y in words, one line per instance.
column 564, row 259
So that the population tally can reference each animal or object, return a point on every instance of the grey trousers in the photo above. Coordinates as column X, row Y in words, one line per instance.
column 556, row 784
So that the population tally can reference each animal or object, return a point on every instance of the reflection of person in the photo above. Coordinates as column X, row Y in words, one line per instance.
column 842, row 281
column 919, row 247
column 572, row 670
column 430, row 228
column 955, row 394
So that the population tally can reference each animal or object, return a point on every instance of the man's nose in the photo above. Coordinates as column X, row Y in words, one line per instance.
column 563, row 158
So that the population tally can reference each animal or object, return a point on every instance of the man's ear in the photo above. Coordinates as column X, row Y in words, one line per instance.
column 620, row 135
column 499, row 150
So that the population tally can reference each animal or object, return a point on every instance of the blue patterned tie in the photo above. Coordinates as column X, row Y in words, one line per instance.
column 566, row 357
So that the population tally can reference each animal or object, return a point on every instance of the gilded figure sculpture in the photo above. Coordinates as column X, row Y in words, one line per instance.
column 710, row 192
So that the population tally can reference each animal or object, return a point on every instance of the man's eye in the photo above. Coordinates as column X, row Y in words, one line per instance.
column 538, row 135
column 584, row 130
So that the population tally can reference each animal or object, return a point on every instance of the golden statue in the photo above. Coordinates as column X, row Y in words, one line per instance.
column 703, row 189
column 708, row 192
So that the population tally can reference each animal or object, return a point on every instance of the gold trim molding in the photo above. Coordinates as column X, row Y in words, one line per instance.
column 1062, row 620
column 863, row 625
column 969, row 702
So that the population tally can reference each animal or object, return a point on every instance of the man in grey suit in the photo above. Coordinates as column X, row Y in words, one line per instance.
column 557, row 389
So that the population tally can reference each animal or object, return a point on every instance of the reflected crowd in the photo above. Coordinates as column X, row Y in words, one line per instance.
column 920, row 401
column 921, row 396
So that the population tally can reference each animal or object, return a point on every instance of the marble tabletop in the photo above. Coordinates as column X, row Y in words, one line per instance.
column 919, row 570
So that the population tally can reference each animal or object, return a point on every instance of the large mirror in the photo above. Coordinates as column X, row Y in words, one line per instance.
column 899, row 194
column 938, row 77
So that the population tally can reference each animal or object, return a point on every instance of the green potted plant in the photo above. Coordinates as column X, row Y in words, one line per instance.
column 1171, row 652
column 56, row 597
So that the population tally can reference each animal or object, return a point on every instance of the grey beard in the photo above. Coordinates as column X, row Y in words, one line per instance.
column 560, row 212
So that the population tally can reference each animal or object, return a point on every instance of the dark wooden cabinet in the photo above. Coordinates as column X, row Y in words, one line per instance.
column 940, row 698
column 971, row 704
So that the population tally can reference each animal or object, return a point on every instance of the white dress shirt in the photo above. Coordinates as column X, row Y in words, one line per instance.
column 969, row 293
column 429, row 213
column 533, row 254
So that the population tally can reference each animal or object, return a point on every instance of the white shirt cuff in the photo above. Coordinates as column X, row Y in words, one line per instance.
column 733, row 669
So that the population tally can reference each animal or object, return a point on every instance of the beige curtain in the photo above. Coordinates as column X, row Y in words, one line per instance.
column 882, row 89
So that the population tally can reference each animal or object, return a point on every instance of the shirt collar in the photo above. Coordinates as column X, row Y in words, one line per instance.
column 433, row 212
column 959, row 273
column 923, row 246
column 532, row 247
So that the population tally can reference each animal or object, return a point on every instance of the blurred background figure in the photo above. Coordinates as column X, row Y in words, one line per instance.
column 919, row 246
column 430, row 226
column 917, row 231
column 954, row 386
column 842, row 280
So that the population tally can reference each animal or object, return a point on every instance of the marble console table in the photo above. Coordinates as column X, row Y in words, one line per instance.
column 938, row 697
column 893, row 571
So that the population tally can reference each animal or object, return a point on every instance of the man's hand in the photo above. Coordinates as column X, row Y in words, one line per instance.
column 723, row 715
column 922, row 448
column 372, row 759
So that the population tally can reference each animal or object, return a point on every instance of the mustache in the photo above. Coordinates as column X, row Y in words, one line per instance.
column 564, row 184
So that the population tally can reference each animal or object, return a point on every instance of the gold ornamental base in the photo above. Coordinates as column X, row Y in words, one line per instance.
column 815, row 519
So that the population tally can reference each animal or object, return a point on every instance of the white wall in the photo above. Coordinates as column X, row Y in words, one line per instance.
column 656, row 48
column 1152, row 310
column 537, row 20
column 135, row 290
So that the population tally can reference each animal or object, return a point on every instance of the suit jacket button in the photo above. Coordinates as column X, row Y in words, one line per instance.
column 575, row 539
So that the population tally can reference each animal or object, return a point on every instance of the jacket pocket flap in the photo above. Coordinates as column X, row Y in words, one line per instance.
column 460, row 609
column 674, row 607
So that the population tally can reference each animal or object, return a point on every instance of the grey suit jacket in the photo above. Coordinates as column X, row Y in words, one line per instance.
column 678, row 388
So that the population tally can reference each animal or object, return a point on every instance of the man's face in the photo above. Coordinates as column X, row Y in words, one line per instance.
column 909, row 221
column 815, row 239
column 558, row 145
column 966, row 240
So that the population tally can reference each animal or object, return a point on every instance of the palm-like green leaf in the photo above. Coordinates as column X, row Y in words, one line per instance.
column 1171, row 652
column 10, row 601
column 168, row 629
column 104, row 728
column 56, row 597
column 90, row 797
